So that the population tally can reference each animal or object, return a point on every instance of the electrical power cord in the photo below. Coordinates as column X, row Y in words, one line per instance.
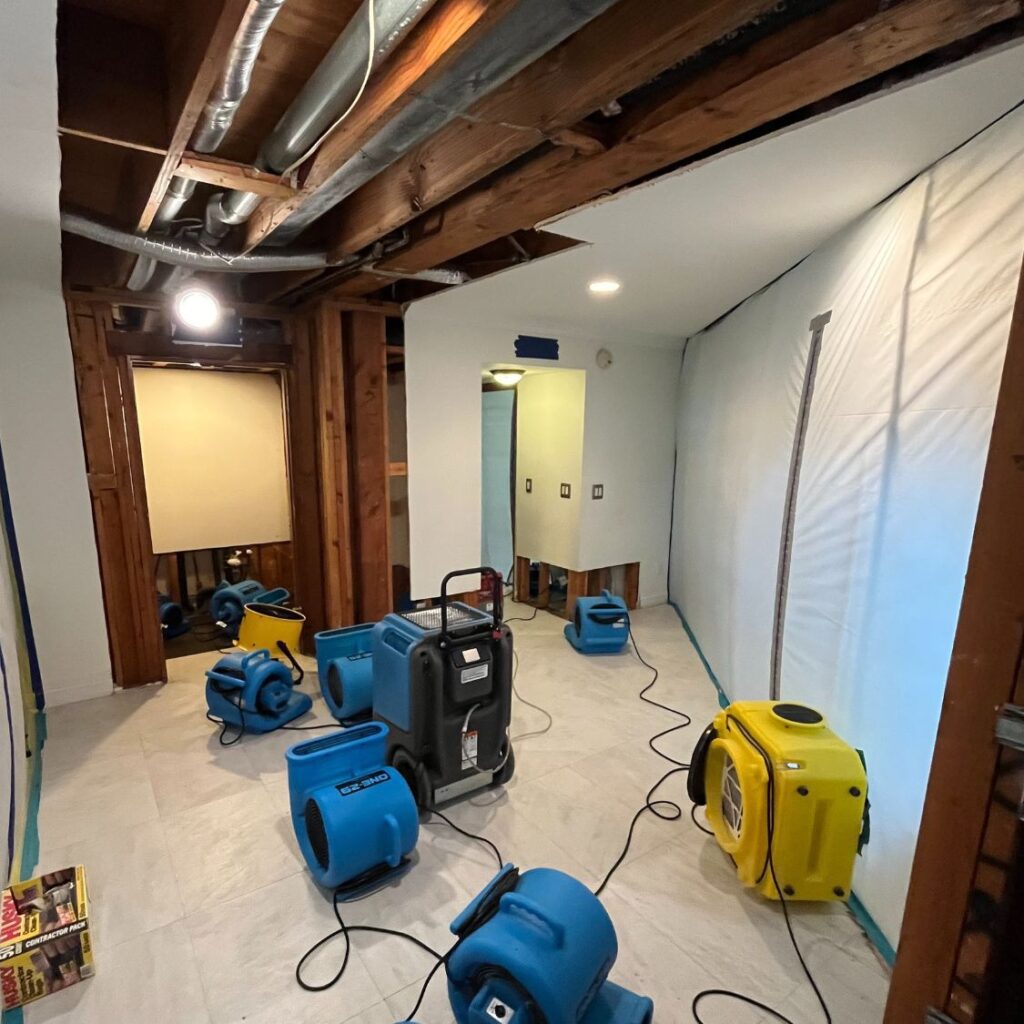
column 372, row 29
column 666, row 810
column 346, row 930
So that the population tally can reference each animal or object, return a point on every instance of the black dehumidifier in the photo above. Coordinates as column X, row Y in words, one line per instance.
column 443, row 684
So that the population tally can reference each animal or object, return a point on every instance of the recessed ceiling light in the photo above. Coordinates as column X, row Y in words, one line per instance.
column 604, row 286
column 507, row 378
column 197, row 308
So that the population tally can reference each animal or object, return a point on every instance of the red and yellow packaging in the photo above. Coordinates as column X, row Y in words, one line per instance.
column 44, row 936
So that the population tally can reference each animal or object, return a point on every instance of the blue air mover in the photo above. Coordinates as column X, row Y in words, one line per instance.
column 253, row 692
column 172, row 617
column 344, row 663
column 442, row 680
column 228, row 601
column 600, row 625
column 354, row 817
column 536, row 948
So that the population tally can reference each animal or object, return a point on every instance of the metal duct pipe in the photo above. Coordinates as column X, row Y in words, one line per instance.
column 223, row 104
column 529, row 30
column 181, row 253
column 330, row 92
column 216, row 119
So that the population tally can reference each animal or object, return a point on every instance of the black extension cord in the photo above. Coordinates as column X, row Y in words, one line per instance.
column 345, row 930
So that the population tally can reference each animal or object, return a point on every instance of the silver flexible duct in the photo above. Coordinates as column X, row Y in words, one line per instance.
column 182, row 253
column 216, row 119
column 529, row 30
column 329, row 92
column 220, row 109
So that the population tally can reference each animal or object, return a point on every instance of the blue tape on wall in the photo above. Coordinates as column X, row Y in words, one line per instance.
column 530, row 347
column 19, row 580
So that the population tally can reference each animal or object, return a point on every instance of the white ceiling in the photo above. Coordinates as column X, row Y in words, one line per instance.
column 689, row 247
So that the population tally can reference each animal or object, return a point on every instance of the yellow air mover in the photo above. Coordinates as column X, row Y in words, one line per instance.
column 268, row 626
column 769, row 767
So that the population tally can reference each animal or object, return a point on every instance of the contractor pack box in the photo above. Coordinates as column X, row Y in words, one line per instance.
column 44, row 936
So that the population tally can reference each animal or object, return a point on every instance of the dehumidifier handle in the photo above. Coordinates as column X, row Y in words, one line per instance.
column 535, row 915
column 497, row 595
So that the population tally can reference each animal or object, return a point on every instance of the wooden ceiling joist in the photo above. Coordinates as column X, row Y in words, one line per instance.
column 229, row 174
column 809, row 61
column 205, row 31
column 443, row 36
column 617, row 52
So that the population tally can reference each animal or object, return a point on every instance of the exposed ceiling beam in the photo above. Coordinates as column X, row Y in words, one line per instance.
column 809, row 61
column 444, row 35
column 229, row 174
column 206, row 30
column 617, row 52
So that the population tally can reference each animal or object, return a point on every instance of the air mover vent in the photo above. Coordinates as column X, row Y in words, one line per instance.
column 317, row 833
column 732, row 798
column 334, row 686
column 799, row 714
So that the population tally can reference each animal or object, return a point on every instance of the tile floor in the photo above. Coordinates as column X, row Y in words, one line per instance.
column 203, row 906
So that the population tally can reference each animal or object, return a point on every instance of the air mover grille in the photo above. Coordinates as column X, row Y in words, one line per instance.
column 430, row 618
column 337, row 691
column 732, row 798
column 317, row 834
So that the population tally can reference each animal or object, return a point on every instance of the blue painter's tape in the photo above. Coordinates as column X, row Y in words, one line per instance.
column 530, row 347
column 30, row 842
column 871, row 929
column 723, row 699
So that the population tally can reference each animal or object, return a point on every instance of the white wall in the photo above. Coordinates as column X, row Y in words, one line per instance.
column 921, row 292
column 39, row 424
column 549, row 452
column 213, row 454
column 445, row 353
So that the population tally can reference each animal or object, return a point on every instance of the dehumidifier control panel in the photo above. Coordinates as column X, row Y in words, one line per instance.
column 469, row 673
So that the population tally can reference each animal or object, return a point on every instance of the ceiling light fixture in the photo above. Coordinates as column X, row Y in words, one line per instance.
column 197, row 308
column 604, row 286
column 507, row 378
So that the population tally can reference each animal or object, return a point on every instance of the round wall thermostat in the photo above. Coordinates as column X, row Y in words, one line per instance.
column 604, row 358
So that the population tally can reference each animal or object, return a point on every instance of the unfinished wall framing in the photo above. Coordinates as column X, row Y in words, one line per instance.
column 333, row 361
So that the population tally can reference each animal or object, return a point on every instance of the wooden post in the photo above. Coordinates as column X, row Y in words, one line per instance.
column 332, row 447
column 106, row 401
column 631, row 585
column 543, row 584
column 578, row 584
column 366, row 379
column 303, row 473
column 522, row 580
column 984, row 673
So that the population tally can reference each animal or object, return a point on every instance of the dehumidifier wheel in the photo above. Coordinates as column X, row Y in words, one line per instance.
column 508, row 769
column 415, row 775
column 695, row 778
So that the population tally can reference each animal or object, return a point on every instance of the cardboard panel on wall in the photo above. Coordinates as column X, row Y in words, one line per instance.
column 213, row 450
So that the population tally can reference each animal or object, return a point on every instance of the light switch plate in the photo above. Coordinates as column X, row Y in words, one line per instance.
column 597, row 492
column 529, row 485
column 566, row 491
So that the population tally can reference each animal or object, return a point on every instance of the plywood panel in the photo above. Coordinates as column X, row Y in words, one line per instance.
column 213, row 448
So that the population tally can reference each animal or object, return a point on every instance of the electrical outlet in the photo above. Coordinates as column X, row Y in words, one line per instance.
column 566, row 491
column 597, row 492
column 529, row 485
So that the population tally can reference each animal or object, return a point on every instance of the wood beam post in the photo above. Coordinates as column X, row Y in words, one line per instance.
column 631, row 585
column 333, row 452
column 579, row 583
column 309, row 565
column 984, row 673
column 521, row 582
column 365, row 345
column 113, row 458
